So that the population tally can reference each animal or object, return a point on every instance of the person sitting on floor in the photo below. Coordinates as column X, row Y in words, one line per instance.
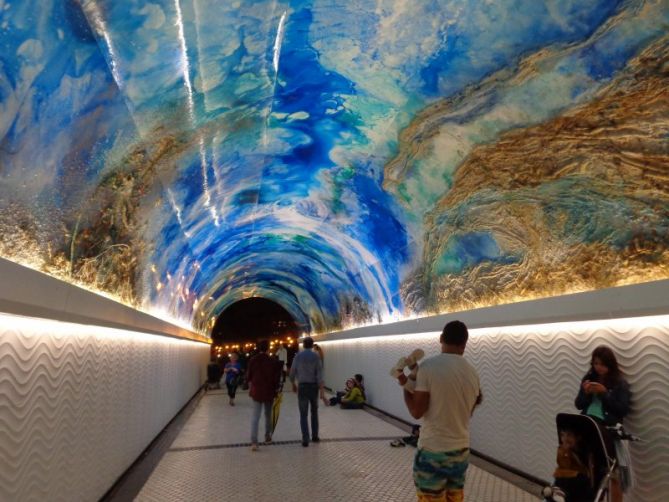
column 360, row 381
column 334, row 401
column 353, row 399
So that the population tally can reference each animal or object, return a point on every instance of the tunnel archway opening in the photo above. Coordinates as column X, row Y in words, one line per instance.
column 252, row 319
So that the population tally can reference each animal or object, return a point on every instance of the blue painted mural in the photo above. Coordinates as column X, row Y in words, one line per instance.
column 356, row 162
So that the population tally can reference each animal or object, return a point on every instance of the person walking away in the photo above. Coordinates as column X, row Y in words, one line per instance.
column 307, row 369
column 232, row 372
column 282, row 355
column 444, row 392
column 263, row 376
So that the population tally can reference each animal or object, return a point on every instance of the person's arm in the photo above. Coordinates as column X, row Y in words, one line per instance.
column 617, row 399
column 479, row 400
column 293, row 370
column 583, row 398
column 417, row 402
column 319, row 379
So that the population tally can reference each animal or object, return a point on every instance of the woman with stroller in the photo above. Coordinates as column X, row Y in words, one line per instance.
column 605, row 396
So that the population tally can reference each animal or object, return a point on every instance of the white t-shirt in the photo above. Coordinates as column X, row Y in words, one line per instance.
column 282, row 354
column 454, row 386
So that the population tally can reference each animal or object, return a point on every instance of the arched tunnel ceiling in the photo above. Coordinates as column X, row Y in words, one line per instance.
column 356, row 162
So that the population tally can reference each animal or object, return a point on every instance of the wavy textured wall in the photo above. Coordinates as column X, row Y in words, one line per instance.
column 528, row 375
column 80, row 403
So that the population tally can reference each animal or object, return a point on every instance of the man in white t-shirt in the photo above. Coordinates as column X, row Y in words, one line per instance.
column 444, row 392
column 282, row 355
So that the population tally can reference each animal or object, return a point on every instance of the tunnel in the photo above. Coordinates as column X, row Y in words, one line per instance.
column 179, row 178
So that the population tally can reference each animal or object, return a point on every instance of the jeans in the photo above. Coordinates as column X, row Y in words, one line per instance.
column 257, row 406
column 307, row 394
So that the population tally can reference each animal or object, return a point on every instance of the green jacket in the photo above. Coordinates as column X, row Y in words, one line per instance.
column 353, row 396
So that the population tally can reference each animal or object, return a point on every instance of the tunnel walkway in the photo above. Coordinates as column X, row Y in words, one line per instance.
column 210, row 460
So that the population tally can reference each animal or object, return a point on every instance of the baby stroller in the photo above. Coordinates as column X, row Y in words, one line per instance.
column 596, row 453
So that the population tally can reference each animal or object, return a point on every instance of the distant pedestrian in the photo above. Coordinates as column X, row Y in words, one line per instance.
column 232, row 372
column 307, row 369
column 263, row 376
column 282, row 355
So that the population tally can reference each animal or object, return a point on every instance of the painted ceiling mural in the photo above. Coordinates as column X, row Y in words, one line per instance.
column 356, row 162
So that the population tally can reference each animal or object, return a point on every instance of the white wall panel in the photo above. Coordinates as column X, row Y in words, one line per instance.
column 528, row 375
column 79, row 403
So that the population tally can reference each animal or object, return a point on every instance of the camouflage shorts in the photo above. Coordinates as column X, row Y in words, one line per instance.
column 436, row 472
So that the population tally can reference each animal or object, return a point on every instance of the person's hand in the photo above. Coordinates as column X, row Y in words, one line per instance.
column 586, row 386
column 597, row 388
column 325, row 401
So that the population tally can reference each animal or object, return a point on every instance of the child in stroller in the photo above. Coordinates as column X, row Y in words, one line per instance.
column 586, row 459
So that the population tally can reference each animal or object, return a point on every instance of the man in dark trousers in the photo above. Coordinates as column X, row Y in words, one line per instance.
column 307, row 369
column 263, row 377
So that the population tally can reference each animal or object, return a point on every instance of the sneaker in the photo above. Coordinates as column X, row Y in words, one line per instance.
column 254, row 447
column 268, row 438
column 315, row 440
column 305, row 443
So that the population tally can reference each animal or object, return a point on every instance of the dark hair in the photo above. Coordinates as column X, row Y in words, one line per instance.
column 308, row 342
column 454, row 333
column 358, row 377
column 608, row 359
column 263, row 345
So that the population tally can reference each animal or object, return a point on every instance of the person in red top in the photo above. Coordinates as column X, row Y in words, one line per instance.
column 263, row 375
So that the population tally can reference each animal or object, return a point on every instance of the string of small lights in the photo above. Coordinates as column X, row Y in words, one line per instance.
column 248, row 347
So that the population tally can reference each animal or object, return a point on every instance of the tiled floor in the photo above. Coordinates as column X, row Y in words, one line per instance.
column 211, row 460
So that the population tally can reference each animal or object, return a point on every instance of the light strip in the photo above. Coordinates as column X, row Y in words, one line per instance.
column 570, row 326
column 60, row 328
